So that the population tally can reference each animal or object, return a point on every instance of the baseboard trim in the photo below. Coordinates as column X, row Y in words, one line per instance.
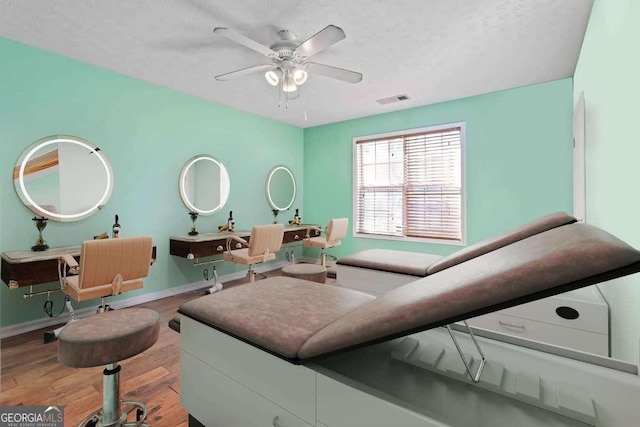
column 33, row 325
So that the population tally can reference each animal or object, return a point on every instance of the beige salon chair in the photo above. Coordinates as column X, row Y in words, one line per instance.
column 107, row 268
column 262, row 246
column 334, row 233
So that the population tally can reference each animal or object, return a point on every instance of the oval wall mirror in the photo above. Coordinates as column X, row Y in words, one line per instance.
column 204, row 185
column 63, row 178
column 280, row 188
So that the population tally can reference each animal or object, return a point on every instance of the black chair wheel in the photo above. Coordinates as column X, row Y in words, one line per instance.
column 92, row 423
column 139, row 414
column 49, row 336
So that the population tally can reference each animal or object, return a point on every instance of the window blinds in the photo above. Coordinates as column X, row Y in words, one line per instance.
column 411, row 185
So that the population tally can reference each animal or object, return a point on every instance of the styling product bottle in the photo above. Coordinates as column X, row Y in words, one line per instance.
column 116, row 229
column 230, row 223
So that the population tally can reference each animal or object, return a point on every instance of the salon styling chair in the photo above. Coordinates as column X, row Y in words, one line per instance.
column 107, row 268
column 264, row 243
column 333, row 235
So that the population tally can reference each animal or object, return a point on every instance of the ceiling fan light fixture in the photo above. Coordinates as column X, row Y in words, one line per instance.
column 288, row 69
column 272, row 77
column 288, row 85
column 299, row 76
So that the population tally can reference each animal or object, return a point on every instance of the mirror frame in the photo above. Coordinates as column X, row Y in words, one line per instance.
column 268, row 193
column 26, row 199
column 183, row 176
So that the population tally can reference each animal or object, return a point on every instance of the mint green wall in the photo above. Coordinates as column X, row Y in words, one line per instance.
column 607, row 73
column 518, row 156
column 147, row 133
column 518, row 161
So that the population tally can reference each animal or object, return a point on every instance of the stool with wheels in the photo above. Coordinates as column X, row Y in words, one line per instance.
column 105, row 340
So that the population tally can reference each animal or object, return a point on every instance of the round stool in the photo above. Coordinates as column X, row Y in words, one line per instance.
column 312, row 272
column 106, row 339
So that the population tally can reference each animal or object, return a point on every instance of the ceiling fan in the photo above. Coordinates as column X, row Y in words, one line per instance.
column 289, row 66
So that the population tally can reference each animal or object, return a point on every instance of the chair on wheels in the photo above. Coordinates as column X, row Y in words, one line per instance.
column 334, row 233
column 262, row 246
column 107, row 268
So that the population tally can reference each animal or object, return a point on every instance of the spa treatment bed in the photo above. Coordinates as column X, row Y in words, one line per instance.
column 286, row 347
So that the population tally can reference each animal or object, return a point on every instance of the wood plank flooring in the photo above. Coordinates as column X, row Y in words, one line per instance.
column 31, row 374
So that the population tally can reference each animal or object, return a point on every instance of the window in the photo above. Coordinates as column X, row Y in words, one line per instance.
column 409, row 184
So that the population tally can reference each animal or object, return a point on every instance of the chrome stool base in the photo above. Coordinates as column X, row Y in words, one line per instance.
column 95, row 419
column 104, row 340
column 111, row 413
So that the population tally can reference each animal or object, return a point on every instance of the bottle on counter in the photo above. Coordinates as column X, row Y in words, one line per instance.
column 115, row 229
column 231, row 225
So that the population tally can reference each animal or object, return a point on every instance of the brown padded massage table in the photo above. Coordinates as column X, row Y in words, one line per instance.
column 378, row 271
column 301, row 321
column 260, row 354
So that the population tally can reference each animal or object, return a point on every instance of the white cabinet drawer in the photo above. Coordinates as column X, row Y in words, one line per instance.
column 342, row 406
column 216, row 400
column 285, row 384
column 592, row 315
column 590, row 342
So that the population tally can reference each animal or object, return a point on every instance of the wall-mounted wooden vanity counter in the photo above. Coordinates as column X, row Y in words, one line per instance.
column 210, row 244
column 27, row 268
column 204, row 244
column 295, row 233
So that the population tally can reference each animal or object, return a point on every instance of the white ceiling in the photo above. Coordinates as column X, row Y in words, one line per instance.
column 431, row 50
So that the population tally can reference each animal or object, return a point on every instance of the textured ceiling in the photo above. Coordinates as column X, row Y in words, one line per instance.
column 431, row 50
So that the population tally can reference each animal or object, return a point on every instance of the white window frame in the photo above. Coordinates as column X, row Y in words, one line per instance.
column 463, row 210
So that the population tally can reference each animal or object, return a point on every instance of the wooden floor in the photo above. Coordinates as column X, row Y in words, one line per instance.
column 31, row 374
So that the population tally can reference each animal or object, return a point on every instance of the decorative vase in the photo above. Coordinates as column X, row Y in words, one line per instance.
column 41, row 224
column 194, row 216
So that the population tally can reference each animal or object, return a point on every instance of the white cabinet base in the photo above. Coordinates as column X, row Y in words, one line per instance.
column 226, row 382
column 342, row 406
column 215, row 399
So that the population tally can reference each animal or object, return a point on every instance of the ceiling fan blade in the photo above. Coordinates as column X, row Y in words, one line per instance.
column 245, row 41
column 320, row 41
column 243, row 72
column 335, row 72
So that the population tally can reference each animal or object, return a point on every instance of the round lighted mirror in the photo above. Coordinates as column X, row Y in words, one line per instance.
column 204, row 185
column 281, row 188
column 63, row 178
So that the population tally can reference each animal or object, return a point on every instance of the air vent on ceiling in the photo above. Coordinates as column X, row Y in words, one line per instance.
column 392, row 99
